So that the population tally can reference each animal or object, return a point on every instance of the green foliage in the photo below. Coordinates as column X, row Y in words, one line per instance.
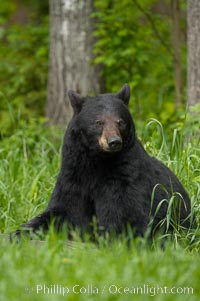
column 134, row 46
column 23, row 68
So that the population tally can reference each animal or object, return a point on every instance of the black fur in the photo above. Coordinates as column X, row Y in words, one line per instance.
column 114, row 186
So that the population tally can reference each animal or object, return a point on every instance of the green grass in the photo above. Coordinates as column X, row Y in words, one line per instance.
column 30, row 161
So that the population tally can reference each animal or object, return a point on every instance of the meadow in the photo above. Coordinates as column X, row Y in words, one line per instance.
column 52, row 269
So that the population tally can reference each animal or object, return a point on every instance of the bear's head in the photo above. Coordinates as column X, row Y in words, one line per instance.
column 103, row 123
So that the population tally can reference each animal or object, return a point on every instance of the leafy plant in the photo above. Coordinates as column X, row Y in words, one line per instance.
column 23, row 68
column 134, row 45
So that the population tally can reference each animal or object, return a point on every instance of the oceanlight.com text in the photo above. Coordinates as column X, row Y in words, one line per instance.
column 109, row 289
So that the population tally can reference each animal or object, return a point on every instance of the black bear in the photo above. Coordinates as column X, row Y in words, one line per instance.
column 106, row 173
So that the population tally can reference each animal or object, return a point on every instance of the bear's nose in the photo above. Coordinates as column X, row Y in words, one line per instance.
column 115, row 143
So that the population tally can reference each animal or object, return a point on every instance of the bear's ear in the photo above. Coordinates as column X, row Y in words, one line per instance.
column 124, row 94
column 76, row 101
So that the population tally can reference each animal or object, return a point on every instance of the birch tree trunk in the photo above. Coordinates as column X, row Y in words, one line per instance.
column 70, row 67
column 193, row 63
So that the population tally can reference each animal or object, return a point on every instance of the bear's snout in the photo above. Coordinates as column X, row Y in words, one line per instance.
column 110, row 139
column 111, row 144
column 115, row 143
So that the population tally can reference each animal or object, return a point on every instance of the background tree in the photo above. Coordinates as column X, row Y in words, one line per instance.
column 193, row 42
column 70, row 67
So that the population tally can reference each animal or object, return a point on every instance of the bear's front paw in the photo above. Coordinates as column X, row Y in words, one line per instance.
column 18, row 234
column 15, row 236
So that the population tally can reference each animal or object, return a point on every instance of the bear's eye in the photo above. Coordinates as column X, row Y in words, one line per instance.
column 121, row 122
column 99, row 122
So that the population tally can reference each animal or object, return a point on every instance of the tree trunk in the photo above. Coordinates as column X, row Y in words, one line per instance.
column 70, row 67
column 176, row 41
column 193, row 63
